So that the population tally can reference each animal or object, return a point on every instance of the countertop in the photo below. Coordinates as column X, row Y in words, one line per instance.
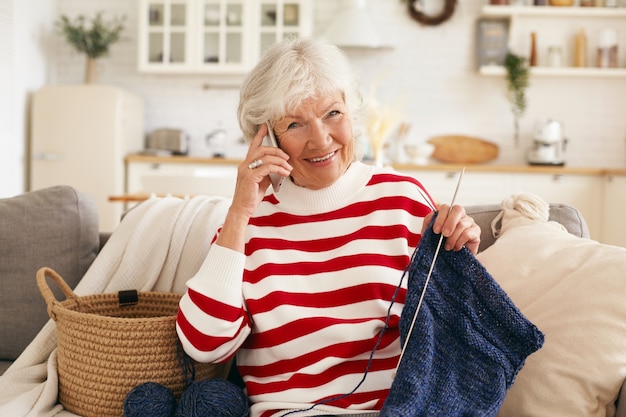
column 489, row 167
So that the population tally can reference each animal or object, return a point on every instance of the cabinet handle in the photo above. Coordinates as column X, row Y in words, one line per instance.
column 155, row 166
column 559, row 178
column 451, row 175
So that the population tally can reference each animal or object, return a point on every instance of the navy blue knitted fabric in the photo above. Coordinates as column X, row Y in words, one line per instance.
column 469, row 340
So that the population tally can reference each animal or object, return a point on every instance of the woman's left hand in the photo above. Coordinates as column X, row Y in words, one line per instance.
column 457, row 227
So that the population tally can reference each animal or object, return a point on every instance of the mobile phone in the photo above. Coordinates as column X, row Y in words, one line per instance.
column 270, row 140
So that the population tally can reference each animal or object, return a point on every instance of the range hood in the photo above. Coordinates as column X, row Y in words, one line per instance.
column 353, row 28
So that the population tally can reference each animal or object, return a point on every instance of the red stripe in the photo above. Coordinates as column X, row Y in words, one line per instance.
column 215, row 308
column 201, row 341
column 334, row 298
column 345, row 350
column 327, row 244
column 359, row 398
column 395, row 178
column 327, row 266
column 319, row 379
column 359, row 209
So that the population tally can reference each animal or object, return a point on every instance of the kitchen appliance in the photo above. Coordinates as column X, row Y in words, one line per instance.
column 175, row 141
column 80, row 135
column 548, row 144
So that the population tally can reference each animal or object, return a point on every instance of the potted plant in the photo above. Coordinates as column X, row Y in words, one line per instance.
column 517, row 77
column 92, row 37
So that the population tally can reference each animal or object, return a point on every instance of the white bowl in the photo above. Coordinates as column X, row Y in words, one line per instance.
column 419, row 153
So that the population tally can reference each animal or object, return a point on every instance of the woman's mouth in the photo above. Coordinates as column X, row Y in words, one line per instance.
column 322, row 158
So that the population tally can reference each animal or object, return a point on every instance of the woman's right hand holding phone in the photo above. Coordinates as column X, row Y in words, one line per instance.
column 252, row 184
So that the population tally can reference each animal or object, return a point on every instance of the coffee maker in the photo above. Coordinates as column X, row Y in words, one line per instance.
column 548, row 144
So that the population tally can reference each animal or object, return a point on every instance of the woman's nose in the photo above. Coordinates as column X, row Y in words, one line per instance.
column 319, row 135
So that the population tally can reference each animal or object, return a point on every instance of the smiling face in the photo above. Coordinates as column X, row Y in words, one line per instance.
column 319, row 141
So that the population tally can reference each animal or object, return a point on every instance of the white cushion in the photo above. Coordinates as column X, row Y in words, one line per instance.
column 574, row 290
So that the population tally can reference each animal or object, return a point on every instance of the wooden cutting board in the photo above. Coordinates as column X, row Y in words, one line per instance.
column 463, row 149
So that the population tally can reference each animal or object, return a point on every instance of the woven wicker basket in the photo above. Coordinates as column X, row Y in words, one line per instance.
column 106, row 349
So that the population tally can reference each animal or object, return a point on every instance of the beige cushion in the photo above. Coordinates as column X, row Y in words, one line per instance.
column 573, row 289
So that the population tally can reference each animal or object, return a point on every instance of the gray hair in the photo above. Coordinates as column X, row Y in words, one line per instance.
column 290, row 72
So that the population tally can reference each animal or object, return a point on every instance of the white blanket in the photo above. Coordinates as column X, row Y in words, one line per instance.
column 158, row 246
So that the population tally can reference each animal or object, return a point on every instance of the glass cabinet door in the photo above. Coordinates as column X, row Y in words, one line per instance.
column 167, row 32
column 222, row 40
column 279, row 19
column 215, row 36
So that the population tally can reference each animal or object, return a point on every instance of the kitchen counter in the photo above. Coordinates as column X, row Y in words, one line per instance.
column 491, row 167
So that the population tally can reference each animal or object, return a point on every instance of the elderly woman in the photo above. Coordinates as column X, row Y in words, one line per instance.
column 298, row 283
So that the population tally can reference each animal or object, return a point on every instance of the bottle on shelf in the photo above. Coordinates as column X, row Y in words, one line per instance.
column 580, row 49
column 607, row 49
column 533, row 50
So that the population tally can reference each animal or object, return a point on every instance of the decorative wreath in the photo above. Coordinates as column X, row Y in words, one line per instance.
column 415, row 10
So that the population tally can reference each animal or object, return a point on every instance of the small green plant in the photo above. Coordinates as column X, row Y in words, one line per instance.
column 91, row 37
column 517, row 76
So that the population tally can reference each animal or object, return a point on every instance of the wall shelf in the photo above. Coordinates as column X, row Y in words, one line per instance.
column 496, row 70
column 554, row 11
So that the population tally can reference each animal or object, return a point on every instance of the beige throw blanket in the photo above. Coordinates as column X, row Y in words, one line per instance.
column 158, row 246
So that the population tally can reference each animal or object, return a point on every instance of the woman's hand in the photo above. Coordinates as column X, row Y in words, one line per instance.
column 252, row 183
column 457, row 227
column 252, row 173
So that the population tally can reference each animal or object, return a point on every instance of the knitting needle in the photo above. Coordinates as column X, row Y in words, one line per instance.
column 430, row 271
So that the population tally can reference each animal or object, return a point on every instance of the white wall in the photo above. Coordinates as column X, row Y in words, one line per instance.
column 26, row 57
column 431, row 70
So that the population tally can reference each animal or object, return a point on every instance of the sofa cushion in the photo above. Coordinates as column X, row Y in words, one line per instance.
column 568, row 216
column 55, row 227
column 573, row 290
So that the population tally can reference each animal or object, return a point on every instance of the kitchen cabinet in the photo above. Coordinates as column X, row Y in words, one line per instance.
column 614, row 226
column 599, row 194
column 215, row 36
column 179, row 177
column 475, row 187
column 557, row 26
column 584, row 192
column 581, row 191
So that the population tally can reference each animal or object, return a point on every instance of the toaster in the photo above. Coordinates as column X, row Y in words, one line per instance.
column 173, row 140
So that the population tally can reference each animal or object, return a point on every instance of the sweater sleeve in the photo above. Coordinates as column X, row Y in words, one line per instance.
column 212, row 322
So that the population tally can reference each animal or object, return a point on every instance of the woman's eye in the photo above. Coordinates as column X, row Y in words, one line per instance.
column 333, row 113
column 292, row 125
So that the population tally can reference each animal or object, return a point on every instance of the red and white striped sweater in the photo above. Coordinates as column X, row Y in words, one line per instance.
column 319, row 273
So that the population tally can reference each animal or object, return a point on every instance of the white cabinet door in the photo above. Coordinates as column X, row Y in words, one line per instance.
column 181, row 179
column 583, row 192
column 475, row 187
column 215, row 36
column 613, row 222
column 165, row 35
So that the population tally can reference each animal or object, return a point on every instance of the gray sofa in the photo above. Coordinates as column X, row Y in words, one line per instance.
column 58, row 227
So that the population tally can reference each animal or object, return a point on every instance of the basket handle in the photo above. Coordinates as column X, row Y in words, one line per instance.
column 45, row 290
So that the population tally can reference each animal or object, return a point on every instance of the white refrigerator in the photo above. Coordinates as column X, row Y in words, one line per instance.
column 79, row 136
